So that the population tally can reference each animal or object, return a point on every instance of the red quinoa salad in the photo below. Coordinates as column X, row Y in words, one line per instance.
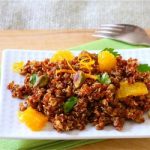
column 72, row 91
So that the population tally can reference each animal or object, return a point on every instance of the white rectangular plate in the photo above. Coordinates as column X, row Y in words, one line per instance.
column 10, row 127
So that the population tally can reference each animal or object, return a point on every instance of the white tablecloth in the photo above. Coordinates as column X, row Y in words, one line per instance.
column 61, row 14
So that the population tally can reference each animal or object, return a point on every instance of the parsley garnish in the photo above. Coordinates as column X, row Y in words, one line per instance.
column 33, row 78
column 104, row 79
column 143, row 68
column 26, row 96
column 111, row 50
column 69, row 104
column 98, row 77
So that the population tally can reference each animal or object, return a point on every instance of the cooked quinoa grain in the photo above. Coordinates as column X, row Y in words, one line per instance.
column 97, row 103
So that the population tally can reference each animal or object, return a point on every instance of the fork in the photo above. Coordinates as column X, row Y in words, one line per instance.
column 123, row 32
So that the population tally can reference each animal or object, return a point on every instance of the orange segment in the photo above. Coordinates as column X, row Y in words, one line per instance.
column 61, row 55
column 33, row 119
column 106, row 60
column 136, row 89
column 17, row 66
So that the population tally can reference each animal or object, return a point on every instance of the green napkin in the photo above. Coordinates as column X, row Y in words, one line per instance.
column 6, row 144
column 103, row 43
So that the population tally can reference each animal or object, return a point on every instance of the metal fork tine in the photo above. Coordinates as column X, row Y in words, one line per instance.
column 101, row 36
column 113, row 25
column 107, row 33
column 123, row 32
column 109, row 29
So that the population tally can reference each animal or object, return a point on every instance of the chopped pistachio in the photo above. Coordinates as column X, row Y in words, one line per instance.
column 42, row 81
column 78, row 78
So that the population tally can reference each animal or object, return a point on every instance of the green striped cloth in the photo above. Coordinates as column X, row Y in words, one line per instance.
column 9, row 144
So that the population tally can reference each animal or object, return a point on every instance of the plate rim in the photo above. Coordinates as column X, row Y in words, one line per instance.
column 71, row 137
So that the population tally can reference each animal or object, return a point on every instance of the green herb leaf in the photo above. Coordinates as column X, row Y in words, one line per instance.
column 148, row 114
column 143, row 68
column 104, row 79
column 69, row 104
column 98, row 78
column 111, row 50
column 26, row 96
column 33, row 78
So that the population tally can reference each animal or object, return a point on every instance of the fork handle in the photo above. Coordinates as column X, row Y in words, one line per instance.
column 146, row 42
